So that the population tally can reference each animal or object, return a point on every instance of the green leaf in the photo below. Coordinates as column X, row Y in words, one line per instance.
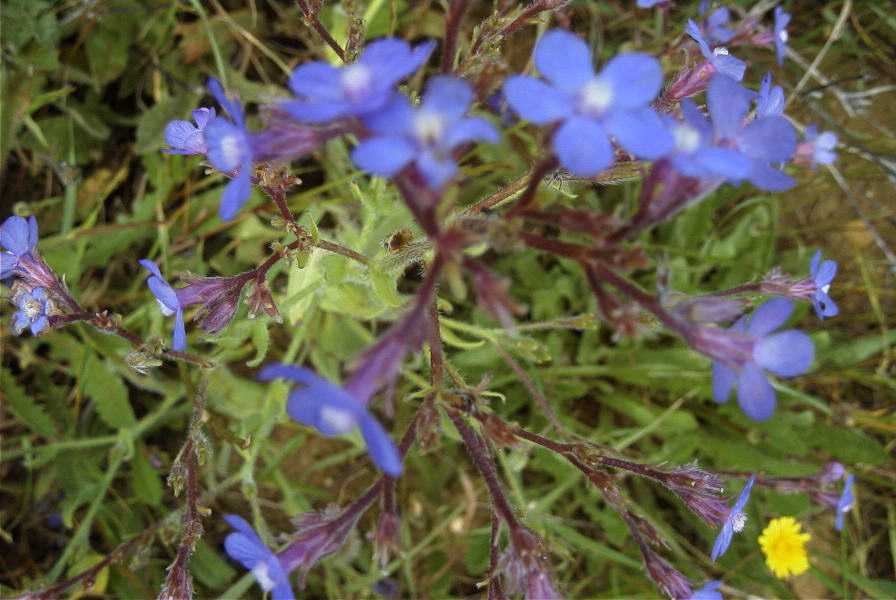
column 261, row 340
column 145, row 480
column 25, row 408
column 110, row 396
column 209, row 568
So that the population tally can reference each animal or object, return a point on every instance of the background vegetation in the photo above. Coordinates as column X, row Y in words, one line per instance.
column 87, row 442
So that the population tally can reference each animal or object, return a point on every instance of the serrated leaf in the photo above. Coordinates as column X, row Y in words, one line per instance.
column 25, row 408
column 109, row 394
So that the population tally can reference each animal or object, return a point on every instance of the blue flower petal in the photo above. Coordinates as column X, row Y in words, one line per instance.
column 16, row 235
column 728, row 105
column 709, row 591
column 473, row 129
column 770, row 139
column 693, row 30
column 635, row 79
column 8, row 262
column 380, row 446
column 564, row 59
column 814, row 263
column 152, row 267
column 395, row 118
column 164, row 293
column 233, row 108
column 769, row 316
column 391, row 60
column 582, row 147
column 243, row 526
column 824, row 305
column 236, row 193
column 755, row 394
column 724, row 161
column 640, row 131
column 227, row 145
column 202, row 116
column 315, row 111
column 448, row 96
column 695, row 118
column 768, row 178
column 824, row 273
column 179, row 335
column 723, row 380
column 282, row 591
column 318, row 81
column 844, row 504
column 183, row 137
column 729, row 65
column 536, row 101
column 39, row 324
column 436, row 171
column 331, row 415
column 786, row 354
column 384, row 156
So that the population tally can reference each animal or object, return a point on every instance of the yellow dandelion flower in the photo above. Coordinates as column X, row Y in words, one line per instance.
column 784, row 547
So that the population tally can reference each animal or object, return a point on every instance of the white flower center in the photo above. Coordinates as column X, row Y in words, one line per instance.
column 356, row 80
column 165, row 310
column 338, row 420
column 825, row 288
column 31, row 308
column 738, row 522
column 428, row 127
column 687, row 139
column 596, row 96
column 264, row 579
column 230, row 151
column 782, row 35
column 720, row 51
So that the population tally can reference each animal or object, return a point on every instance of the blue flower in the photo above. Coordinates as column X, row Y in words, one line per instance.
column 820, row 146
column 845, row 503
column 719, row 58
column 168, row 302
column 786, row 354
column 696, row 154
column 185, row 138
column 230, row 151
column 425, row 136
column 781, row 20
column 734, row 523
column 590, row 108
column 716, row 25
column 32, row 311
column 650, row 3
column 823, row 273
column 770, row 100
column 245, row 547
column 358, row 89
column 333, row 411
column 709, row 591
column 19, row 238
column 764, row 140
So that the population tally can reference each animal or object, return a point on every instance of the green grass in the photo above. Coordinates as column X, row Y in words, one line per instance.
column 87, row 442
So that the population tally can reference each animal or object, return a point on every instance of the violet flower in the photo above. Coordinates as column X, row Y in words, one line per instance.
column 33, row 306
column 185, row 138
column 719, row 58
column 168, row 302
column 230, row 151
column 734, row 522
column 753, row 350
column 333, row 411
column 709, row 591
column 219, row 297
column 591, row 107
column 245, row 547
column 845, row 503
column 823, row 273
column 782, row 19
column 18, row 237
column 716, row 26
column 765, row 140
column 425, row 136
column 326, row 92
column 697, row 155
column 817, row 148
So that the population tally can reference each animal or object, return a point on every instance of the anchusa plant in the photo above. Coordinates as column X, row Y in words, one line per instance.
column 597, row 120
